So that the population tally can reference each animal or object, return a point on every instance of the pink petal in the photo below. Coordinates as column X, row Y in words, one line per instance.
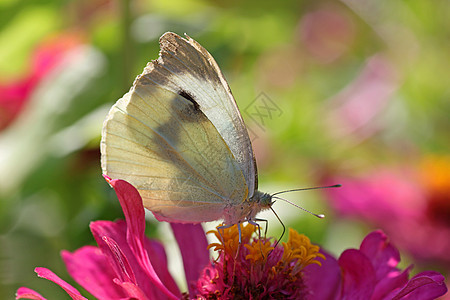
column 47, row 274
column 117, row 231
column 425, row 285
column 387, row 287
column 384, row 257
column 193, row 245
column 119, row 262
column 358, row 275
column 134, row 292
column 26, row 293
column 90, row 268
column 133, row 209
column 380, row 252
column 324, row 281
column 157, row 256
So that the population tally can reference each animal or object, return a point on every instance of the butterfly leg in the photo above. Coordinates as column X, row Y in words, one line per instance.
column 240, row 232
column 221, row 228
column 238, row 249
column 254, row 222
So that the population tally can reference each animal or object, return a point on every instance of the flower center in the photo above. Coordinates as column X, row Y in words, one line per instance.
column 258, row 268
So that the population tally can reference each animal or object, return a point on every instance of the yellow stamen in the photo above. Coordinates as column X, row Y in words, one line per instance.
column 258, row 251
column 298, row 251
column 299, row 248
column 229, row 237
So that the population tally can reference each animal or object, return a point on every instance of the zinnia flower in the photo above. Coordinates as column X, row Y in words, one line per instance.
column 126, row 265
column 297, row 270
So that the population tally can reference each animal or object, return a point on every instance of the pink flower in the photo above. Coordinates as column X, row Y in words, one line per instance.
column 411, row 206
column 297, row 270
column 15, row 94
column 327, row 33
column 356, row 110
column 371, row 273
column 126, row 264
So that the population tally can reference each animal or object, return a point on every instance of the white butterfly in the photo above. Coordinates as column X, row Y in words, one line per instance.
column 179, row 138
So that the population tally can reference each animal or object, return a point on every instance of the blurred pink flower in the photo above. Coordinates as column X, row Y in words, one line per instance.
column 126, row 264
column 49, row 54
column 327, row 33
column 411, row 206
column 356, row 110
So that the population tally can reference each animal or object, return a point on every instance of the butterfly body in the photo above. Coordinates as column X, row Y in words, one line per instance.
column 247, row 210
column 179, row 138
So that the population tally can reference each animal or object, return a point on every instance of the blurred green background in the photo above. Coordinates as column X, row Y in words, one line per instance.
column 325, row 87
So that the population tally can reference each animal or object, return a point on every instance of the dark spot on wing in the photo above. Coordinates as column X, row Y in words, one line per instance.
column 189, row 97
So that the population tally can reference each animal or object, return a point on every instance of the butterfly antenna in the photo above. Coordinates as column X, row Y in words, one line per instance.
column 320, row 216
column 306, row 189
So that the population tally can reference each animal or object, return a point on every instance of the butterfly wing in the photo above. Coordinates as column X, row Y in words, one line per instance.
column 162, row 143
column 185, row 65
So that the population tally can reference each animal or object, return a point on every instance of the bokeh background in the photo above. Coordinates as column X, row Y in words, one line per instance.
column 352, row 92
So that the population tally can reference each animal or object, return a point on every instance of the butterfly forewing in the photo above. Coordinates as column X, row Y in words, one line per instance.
column 184, row 65
column 164, row 145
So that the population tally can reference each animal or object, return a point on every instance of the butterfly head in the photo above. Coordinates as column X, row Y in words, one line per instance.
column 259, row 202
column 263, row 200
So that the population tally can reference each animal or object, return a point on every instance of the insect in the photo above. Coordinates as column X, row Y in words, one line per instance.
column 179, row 138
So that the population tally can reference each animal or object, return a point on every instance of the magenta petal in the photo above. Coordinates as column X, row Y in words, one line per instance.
column 388, row 286
column 104, row 231
column 90, row 268
column 424, row 286
column 384, row 258
column 158, row 258
column 358, row 275
column 26, row 293
column 193, row 245
column 47, row 274
column 133, row 209
column 117, row 231
column 133, row 291
column 380, row 252
column 323, row 281
column 120, row 262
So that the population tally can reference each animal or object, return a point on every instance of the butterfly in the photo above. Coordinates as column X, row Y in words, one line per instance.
column 179, row 138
